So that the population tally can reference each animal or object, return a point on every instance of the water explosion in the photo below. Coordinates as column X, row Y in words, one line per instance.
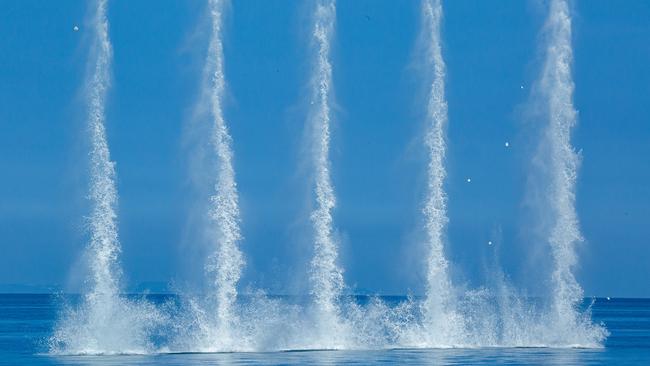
column 107, row 322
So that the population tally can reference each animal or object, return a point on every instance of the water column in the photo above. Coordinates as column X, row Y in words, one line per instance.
column 104, row 244
column 226, row 263
column 105, row 322
column 326, row 276
column 440, row 319
column 556, row 88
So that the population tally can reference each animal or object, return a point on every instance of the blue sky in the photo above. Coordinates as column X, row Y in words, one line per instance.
column 491, row 50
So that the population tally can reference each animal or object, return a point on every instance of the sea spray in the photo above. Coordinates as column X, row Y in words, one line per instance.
column 439, row 317
column 104, row 322
column 224, row 321
column 326, row 275
column 104, row 244
column 556, row 92
column 226, row 263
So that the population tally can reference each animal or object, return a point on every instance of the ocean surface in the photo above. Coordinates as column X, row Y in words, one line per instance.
column 27, row 320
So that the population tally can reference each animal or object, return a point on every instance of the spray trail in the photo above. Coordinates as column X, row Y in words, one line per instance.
column 326, row 276
column 105, row 322
column 226, row 263
column 104, row 243
column 437, row 307
column 557, row 90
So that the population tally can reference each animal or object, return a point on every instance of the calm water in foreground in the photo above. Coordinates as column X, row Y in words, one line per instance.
column 27, row 320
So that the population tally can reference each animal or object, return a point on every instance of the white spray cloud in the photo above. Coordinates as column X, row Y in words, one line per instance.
column 326, row 275
column 227, row 260
column 215, row 320
column 556, row 98
column 440, row 318
column 105, row 322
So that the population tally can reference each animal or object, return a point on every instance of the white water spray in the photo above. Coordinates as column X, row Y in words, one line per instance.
column 439, row 316
column 105, row 322
column 104, row 244
column 226, row 262
column 556, row 86
column 326, row 276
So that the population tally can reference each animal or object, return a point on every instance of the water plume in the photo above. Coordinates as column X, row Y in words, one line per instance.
column 440, row 318
column 105, row 322
column 225, row 264
column 561, row 168
column 326, row 276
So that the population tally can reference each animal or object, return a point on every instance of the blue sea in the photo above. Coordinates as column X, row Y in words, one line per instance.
column 27, row 320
